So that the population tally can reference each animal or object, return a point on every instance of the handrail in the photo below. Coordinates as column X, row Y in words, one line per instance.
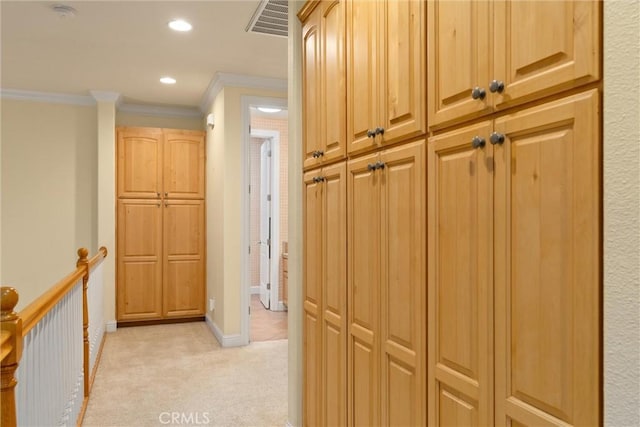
column 16, row 326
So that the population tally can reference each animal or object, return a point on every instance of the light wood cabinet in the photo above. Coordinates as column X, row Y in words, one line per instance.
column 324, row 86
column 530, row 49
column 386, row 72
column 514, row 243
column 161, row 232
column 387, row 287
column 325, row 326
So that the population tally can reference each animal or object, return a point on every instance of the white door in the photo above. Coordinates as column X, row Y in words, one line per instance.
column 265, row 222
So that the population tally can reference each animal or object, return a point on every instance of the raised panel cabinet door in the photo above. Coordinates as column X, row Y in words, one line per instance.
column 334, row 295
column 543, row 47
column 139, row 255
column 362, row 75
column 333, row 76
column 311, row 89
column 363, row 297
column 460, row 280
column 403, row 285
column 547, row 264
column 184, row 257
column 139, row 165
column 312, row 300
column 184, row 160
column 403, row 65
column 460, row 60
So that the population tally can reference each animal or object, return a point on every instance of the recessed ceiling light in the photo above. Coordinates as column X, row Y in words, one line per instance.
column 180, row 25
column 168, row 80
column 269, row 109
column 64, row 11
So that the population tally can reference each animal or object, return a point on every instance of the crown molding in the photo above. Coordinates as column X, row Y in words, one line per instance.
column 102, row 96
column 222, row 80
column 160, row 110
column 48, row 97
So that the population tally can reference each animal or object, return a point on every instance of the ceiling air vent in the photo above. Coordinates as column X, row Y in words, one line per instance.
column 271, row 17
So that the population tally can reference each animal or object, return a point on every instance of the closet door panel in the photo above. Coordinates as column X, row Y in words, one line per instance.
column 547, row 264
column 403, row 285
column 184, row 157
column 139, row 163
column 460, row 278
column 311, row 89
column 363, row 193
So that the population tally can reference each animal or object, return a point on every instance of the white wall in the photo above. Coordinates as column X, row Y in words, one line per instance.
column 48, row 192
column 621, row 150
column 141, row 120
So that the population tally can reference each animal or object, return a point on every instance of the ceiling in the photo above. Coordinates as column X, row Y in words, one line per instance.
column 126, row 46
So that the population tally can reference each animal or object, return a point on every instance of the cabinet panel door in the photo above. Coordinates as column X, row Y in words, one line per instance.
column 334, row 91
column 183, row 278
column 544, row 46
column 334, row 295
column 547, row 264
column 403, row 75
column 183, row 164
column 362, row 74
column 403, row 304
column 312, row 294
column 139, row 255
column 460, row 285
column 139, row 162
column 311, row 89
column 459, row 59
column 363, row 240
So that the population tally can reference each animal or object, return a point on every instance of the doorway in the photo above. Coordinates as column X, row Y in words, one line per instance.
column 264, row 299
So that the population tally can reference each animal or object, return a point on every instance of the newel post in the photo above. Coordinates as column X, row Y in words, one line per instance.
column 83, row 261
column 12, row 351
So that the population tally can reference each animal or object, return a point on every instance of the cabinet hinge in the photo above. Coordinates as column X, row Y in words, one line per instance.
column 249, row 250
column 268, row 197
column 268, row 286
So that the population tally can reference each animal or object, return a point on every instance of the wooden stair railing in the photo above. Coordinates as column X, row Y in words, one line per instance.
column 15, row 326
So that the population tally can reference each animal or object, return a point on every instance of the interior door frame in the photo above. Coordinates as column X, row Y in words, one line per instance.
column 245, row 288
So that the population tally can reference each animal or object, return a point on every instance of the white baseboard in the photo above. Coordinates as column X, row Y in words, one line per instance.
column 224, row 340
column 111, row 326
column 255, row 290
column 288, row 424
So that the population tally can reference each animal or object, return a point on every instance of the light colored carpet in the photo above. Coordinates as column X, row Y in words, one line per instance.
column 179, row 375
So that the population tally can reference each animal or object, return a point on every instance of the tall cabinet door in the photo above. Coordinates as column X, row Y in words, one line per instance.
column 312, row 299
column 334, row 295
column 402, row 303
column 139, row 163
column 183, row 164
column 362, row 74
column 547, row 264
column 333, row 75
column 403, row 77
column 184, row 254
column 139, row 259
column 460, row 224
column 363, row 235
column 459, row 59
column 544, row 46
column 311, row 89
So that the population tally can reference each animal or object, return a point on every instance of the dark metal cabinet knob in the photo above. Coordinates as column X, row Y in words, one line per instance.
column 320, row 153
column 496, row 86
column 371, row 133
column 478, row 142
column 379, row 165
column 496, row 138
column 379, row 131
column 478, row 93
column 371, row 167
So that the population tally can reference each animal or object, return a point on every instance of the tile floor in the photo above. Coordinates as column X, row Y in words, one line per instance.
column 266, row 325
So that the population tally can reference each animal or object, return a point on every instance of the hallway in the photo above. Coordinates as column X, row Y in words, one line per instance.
column 149, row 374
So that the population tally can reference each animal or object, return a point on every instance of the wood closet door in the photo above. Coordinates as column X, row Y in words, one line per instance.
column 460, row 228
column 547, row 264
column 364, row 273
column 183, row 164
column 139, row 259
column 184, row 254
column 402, row 304
column 334, row 295
column 543, row 47
column 403, row 77
column 460, row 58
column 140, row 161
column 311, row 88
column 312, row 300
